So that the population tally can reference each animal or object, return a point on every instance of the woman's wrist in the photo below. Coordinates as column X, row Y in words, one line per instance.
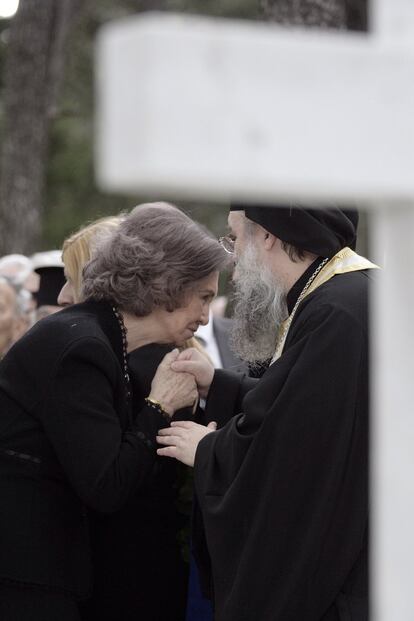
column 162, row 407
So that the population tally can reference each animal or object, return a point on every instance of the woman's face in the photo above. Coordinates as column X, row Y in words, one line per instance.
column 181, row 323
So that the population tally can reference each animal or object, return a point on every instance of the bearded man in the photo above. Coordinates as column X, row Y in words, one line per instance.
column 281, row 521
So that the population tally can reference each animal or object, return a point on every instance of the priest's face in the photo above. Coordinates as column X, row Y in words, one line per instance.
column 260, row 297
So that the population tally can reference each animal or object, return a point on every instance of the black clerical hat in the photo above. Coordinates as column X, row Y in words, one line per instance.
column 49, row 266
column 320, row 231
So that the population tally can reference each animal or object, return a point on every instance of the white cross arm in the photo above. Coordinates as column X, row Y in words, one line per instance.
column 196, row 106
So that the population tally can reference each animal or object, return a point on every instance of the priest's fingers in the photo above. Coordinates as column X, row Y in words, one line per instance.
column 168, row 440
column 185, row 424
column 182, row 453
column 170, row 431
column 168, row 451
column 202, row 370
column 190, row 353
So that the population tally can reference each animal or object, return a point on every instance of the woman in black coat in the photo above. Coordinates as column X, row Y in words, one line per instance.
column 69, row 440
column 151, row 526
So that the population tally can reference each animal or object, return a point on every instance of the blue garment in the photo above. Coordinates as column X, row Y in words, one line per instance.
column 198, row 607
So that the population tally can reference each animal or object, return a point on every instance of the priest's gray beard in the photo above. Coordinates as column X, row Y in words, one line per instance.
column 259, row 308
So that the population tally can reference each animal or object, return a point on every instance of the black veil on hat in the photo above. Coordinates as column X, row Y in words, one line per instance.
column 321, row 231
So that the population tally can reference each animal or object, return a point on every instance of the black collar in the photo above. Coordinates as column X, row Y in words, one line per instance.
column 108, row 323
column 297, row 288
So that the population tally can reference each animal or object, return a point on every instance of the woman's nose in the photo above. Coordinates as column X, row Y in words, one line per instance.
column 63, row 297
column 205, row 316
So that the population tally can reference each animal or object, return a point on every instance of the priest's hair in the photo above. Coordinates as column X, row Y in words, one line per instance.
column 259, row 308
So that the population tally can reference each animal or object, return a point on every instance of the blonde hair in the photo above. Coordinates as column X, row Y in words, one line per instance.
column 77, row 249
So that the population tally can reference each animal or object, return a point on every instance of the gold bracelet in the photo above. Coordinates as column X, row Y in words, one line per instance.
column 156, row 405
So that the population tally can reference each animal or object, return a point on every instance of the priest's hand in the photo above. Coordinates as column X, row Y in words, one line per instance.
column 192, row 361
column 173, row 390
column 181, row 440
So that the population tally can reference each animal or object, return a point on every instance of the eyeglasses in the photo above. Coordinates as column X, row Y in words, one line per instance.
column 227, row 243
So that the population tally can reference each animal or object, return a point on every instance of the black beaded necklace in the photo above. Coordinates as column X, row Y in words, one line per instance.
column 123, row 329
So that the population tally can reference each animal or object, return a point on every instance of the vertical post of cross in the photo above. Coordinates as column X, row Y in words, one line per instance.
column 392, row 435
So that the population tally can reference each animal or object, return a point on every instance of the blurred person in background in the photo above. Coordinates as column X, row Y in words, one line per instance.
column 13, row 314
column 48, row 266
column 215, row 338
column 19, row 270
column 219, row 306
column 77, row 251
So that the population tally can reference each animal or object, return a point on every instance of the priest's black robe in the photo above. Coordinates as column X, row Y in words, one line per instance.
column 282, row 488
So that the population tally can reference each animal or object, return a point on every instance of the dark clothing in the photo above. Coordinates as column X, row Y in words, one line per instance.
column 221, row 330
column 67, row 444
column 283, row 487
column 26, row 604
column 199, row 607
column 139, row 570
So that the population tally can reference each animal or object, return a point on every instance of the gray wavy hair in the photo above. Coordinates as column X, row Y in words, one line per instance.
column 153, row 259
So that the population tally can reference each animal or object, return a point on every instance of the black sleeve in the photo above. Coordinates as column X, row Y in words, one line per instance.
column 79, row 416
column 226, row 395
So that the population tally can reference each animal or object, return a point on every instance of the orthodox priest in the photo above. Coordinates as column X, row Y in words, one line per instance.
column 281, row 521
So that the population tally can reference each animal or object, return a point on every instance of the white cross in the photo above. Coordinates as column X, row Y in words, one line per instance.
column 196, row 107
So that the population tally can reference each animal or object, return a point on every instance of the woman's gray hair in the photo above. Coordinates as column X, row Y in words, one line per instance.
column 153, row 259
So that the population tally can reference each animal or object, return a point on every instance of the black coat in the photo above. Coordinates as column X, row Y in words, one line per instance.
column 67, row 443
column 283, row 486
column 139, row 569
column 221, row 331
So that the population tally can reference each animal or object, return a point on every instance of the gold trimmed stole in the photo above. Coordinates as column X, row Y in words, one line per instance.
column 346, row 260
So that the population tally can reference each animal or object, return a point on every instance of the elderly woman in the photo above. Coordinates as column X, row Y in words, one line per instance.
column 127, row 545
column 69, row 438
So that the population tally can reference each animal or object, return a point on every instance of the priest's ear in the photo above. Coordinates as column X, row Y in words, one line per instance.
column 269, row 239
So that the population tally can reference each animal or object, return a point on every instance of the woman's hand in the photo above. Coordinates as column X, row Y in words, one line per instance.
column 192, row 361
column 171, row 389
column 181, row 440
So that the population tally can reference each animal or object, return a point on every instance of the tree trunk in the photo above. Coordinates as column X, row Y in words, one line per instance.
column 317, row 13
column 32, row 75
column 337, row 14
